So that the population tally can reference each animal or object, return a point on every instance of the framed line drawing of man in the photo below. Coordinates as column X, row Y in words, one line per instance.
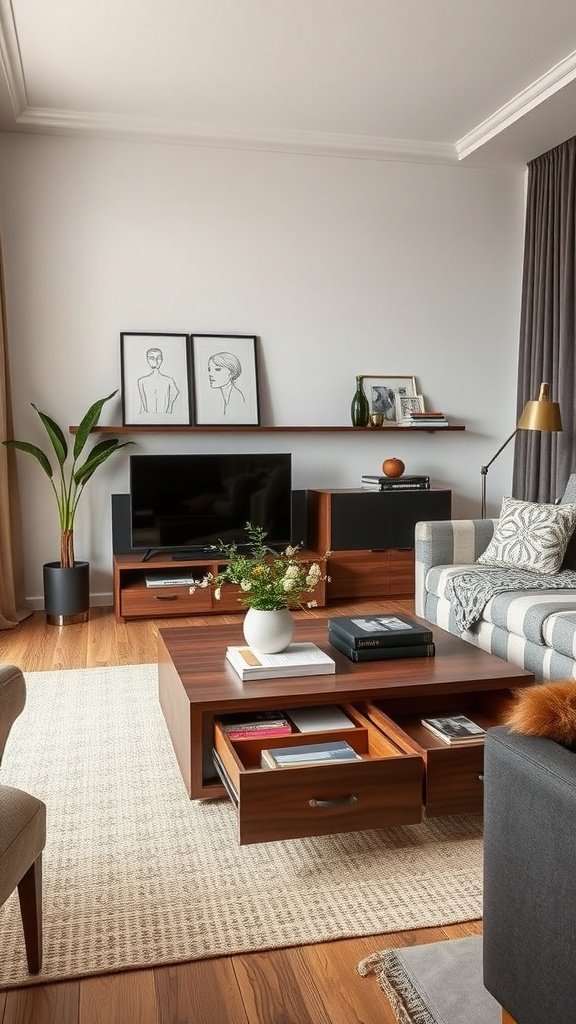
column 225, row 380
column 155, row 378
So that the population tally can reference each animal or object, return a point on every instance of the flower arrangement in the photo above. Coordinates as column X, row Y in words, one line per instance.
column 268, row 581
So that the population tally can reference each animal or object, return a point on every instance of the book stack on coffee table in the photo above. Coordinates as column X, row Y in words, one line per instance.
column 380, row 637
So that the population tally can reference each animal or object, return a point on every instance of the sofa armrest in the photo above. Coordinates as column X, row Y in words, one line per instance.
column 12, row 700
column 448, row 542
column 530, row 876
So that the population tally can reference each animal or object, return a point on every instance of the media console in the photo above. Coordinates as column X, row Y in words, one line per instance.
column 369, row 534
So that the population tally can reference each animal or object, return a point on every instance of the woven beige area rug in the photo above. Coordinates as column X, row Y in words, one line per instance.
column 135, row 874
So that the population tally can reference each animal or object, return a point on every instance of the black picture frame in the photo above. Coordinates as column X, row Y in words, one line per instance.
column 225, row 375
column 151, row 395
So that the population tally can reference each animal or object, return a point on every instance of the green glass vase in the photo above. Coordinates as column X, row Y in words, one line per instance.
column 360, row 409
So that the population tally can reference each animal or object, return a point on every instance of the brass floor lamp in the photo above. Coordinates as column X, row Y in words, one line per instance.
column 541, row 414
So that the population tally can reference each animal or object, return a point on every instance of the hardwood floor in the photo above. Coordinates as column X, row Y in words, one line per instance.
column 302, row 985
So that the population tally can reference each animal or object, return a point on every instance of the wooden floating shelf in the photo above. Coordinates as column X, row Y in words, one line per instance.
column 184, row 429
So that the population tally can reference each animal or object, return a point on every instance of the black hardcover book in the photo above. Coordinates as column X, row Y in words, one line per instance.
column 396, row 487
column 371, row 631
column 381, row 653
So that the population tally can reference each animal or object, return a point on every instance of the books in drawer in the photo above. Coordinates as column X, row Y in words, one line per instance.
column 336, row 752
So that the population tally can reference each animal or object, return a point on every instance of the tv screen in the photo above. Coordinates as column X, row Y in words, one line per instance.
column 188, row 502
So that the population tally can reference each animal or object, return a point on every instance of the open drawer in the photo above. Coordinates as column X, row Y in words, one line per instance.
column 384, row 788
column 453, row 775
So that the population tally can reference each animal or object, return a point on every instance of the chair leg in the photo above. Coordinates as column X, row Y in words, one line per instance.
column 30, row 896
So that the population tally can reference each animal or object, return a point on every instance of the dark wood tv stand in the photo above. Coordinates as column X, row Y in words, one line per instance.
column 134, row 600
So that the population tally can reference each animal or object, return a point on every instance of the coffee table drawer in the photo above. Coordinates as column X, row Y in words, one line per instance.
column 384, row 788
column 453, row 780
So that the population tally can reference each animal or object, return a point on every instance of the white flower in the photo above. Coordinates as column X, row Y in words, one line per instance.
column 245, row 585
column 192, row 590
column 292, row 572
column 290, row 552
column 287, row 584
column 312, row 604
column 217, row 593
column 313, row 576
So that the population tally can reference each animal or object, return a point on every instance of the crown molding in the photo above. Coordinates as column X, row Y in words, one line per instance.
column 532, row 96
column 11, row 60
column 365, row 147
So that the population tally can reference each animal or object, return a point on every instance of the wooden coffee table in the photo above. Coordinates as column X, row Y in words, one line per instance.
column 404, row 768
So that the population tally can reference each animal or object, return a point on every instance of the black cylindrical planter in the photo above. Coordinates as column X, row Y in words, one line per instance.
column 66, row 593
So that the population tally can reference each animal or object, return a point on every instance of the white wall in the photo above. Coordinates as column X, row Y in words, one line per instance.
column 340, row 267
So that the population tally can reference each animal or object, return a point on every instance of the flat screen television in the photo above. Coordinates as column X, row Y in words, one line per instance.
column 185, row 503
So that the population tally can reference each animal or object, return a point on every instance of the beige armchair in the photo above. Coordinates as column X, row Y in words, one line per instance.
column 22, row 829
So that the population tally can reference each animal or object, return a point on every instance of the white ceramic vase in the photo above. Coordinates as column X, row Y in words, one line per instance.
column 268, row 632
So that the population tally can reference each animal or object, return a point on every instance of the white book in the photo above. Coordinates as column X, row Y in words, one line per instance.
column 170, row 581
column 303, row 659
column 319, row 719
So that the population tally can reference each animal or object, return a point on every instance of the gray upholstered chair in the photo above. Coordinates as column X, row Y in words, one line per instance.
column 530, row 877
column 22, row 829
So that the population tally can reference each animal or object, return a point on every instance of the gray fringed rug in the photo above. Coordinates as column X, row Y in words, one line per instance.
column 136, row 874
column 439, row 983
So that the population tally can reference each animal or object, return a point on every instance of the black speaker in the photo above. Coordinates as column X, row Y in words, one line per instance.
column 382, row 519
column 121, row 543
column 299, row 518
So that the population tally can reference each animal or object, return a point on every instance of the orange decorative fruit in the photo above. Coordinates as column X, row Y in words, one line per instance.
column 393, row 467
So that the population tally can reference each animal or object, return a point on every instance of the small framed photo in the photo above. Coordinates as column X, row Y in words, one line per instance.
column 405, row 404
column 225, row 380
column 382, row 393
column 155, row 379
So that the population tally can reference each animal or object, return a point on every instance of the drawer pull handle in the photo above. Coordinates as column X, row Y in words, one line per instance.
column 480, row 778
column 344, row 801
column 165, row 597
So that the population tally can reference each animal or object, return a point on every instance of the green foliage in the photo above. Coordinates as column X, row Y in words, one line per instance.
column 69, row 479
column 268, row 581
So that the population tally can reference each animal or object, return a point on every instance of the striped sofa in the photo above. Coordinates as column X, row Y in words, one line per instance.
column 534, row 629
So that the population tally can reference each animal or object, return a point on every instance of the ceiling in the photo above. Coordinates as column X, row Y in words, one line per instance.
column 479, row 81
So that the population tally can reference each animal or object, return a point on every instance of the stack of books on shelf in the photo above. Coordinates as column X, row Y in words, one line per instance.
column 424, row 419
column 380, row 637
column 297, row 660
column 456, row 730
column 398, row 483
column 255, row 725
column 303, row 754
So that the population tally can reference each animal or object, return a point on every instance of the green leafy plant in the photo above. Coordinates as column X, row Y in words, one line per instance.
column 268, row 581
column 69, row 479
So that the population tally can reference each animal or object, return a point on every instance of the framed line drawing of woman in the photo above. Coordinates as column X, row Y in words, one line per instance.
column 225, row 380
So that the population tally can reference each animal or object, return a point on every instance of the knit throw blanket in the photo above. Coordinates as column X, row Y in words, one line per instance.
column 470, row 591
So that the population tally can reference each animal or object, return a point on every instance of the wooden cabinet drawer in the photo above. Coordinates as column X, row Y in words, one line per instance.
column 155, row 602
column 384, row 788
column 402, row 572
column 358, row 574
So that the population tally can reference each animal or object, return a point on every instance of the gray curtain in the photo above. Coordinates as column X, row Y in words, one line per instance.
column 544, row 461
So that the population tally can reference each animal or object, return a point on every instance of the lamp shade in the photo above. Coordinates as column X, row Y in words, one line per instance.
column 541, row 414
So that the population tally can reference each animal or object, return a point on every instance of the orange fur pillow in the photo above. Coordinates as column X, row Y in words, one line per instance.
column 546, row 710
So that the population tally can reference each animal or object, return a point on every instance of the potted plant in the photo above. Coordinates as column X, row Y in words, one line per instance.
column 270, row 585
column 67, row 582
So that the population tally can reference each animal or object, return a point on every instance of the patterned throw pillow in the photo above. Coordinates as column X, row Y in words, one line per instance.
column 531, row 536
